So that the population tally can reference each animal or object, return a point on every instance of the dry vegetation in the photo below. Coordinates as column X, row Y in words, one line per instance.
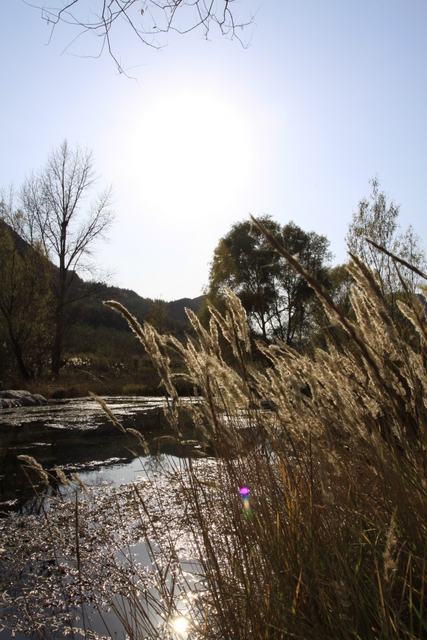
column 333, row 542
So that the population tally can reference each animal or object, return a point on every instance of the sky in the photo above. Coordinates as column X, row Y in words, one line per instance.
column 324, row 96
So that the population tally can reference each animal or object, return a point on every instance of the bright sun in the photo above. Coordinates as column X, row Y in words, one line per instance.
column 192, row 151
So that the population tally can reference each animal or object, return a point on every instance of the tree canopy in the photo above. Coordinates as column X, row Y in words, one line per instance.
column 278, row 301
column 25, row 300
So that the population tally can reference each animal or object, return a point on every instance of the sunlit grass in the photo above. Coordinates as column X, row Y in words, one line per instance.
column 310, row 519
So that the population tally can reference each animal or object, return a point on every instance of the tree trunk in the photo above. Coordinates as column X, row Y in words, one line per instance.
column 57, row 346
column 26, row 372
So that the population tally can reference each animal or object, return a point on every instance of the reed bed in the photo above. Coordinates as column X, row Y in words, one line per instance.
column 310, row 519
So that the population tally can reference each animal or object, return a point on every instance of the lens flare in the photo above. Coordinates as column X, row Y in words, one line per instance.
column 247, row 509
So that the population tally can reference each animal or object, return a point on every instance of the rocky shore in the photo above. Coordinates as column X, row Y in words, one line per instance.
column 10, row 399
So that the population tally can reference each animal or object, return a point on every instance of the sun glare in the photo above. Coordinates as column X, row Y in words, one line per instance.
column 191, row 151
column 179, row 625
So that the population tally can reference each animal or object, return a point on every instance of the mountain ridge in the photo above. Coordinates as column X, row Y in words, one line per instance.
column 89, row 306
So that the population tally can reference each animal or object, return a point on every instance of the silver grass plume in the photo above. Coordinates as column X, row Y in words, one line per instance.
column 417, row 317
column 62, row 477
column 80, row 482
column 36, row 466
column 141, row 439
column 234, row 326
column 107, row 411
column 332, row 309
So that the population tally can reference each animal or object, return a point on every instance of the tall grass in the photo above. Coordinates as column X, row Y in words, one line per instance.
column 331, row 540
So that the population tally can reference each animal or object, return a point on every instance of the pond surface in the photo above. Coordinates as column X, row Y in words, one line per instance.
column 76, row 436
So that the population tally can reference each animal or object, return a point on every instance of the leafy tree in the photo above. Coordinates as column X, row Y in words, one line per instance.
column 278, row 301
column 376, row 219
column 53, row 216
column 25, row 300
column 245, row 263
column 159, row 316
column 301, row 310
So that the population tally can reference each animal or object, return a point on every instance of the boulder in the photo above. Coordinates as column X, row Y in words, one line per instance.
column 10, row 399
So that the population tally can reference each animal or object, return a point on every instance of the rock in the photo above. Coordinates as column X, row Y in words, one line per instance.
column 10, row 399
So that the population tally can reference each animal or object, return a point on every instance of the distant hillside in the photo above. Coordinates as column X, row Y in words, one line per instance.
column 177, row 308
column 90, row 311
column 98, row 347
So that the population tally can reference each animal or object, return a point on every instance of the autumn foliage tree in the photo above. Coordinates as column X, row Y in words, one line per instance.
column 377, row 220
column 25, row 300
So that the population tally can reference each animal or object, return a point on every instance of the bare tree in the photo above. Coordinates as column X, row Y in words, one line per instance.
column 53, row 214
column 147, row 20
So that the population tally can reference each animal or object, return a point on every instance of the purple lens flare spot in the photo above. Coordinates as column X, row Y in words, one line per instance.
column 244, row 491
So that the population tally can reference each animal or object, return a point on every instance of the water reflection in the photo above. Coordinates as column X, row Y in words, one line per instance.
column 81, row 413
column 130, row 571
column 179, row 626
column 76, row 436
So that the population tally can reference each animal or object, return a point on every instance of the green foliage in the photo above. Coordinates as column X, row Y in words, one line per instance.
column 278, row 301
column 159, row 316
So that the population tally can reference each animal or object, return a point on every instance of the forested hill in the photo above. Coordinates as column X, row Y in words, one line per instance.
column 88, row 307
column 29, row 285
column 177, row 308
column 91, row 310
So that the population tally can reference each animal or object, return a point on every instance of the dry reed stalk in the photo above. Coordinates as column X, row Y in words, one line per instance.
column 411, row 267
column 31, row 463
column 107, row 411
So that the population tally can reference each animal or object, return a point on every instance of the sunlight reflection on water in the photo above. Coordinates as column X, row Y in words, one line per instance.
column 75, row 435
column 82, row 413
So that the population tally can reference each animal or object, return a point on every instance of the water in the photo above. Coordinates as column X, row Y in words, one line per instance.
column 76, row 436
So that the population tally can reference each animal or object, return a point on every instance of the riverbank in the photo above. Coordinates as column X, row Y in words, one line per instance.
column 78, row 385
column 128, row 373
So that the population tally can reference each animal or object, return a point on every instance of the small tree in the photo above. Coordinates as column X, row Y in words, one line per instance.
column 54, row 216
column 377, row 219
column 159, row 316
